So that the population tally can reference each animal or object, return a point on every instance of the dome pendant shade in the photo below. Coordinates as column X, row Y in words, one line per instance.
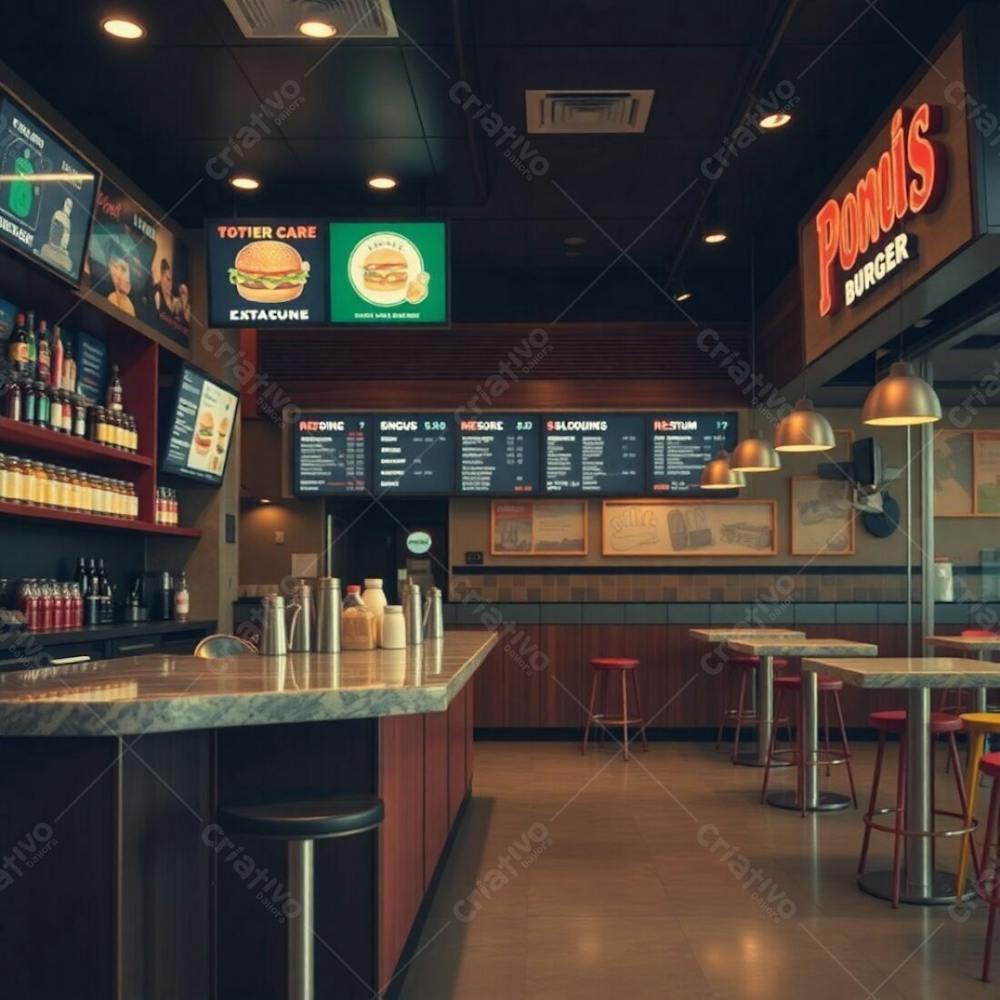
column 718, row 475
column 754, row 454
column 902, row 399
column 804, row 430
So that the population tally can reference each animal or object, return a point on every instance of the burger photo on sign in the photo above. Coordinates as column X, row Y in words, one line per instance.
column 269, row 271
column 386, row 269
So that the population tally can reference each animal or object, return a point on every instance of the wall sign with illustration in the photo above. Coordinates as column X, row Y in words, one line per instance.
column 388, row 273
column 538, row 527
column 137, row 265
column 91, row 367
column 46, row 193
column 967, row 474
column 821, row 517
column 689, row 528
column 266, row 272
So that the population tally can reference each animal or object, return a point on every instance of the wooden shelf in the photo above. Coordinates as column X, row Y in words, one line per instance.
column 18, row 434
column 20, row 510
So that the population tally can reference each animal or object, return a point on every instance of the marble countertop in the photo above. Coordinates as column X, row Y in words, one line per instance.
column 725, row 634
column 966, row 643
column 771, row 646
column 909, row 671
column 158, row 693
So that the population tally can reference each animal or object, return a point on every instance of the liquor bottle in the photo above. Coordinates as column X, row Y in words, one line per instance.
column 17, row 346
column 32, row 347
column 43, row 369
column 82, row 579
column 182, row 599
column 92, row 583
column 114, row 400
column 69, row 368
column 58, row 357
column 104, row 591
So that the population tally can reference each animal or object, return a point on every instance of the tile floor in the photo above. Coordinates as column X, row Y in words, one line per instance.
column 584, row 878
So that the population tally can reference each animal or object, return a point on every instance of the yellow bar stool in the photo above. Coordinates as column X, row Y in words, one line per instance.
column 978, row 725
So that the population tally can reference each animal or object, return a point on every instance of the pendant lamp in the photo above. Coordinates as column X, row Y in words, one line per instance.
column 718, row 475
column 901, row 399
column 804, row 430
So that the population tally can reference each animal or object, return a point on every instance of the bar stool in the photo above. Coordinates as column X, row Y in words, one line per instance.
column 978, row 725
column 894, row 721
column 302, row 823
column 988, row 882
column 792, row 688
column 603, row 667
column 953, row 699
column 746, row 667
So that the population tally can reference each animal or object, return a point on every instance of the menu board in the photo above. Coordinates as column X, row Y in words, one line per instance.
column 598, row 454
column 499, row 454
column 266, row 272
column 680, row 445
column 388, row 273
column 331, row 454
column 414, row 453
column 203, row 420
column 46, row 193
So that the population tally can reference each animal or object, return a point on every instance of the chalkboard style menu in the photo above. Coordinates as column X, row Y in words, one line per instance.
column 598, row 454
column 414, row 453
column 498, row 454
column 201, row 429
column 331, row 454
column 680, row 445
column 46, row 193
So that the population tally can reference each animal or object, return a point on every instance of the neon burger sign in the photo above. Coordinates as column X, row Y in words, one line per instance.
column 908, row 178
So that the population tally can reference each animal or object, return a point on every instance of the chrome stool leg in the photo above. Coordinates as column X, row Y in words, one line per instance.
column 301, row 976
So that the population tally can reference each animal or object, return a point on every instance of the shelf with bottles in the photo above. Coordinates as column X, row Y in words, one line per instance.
column 15, row 510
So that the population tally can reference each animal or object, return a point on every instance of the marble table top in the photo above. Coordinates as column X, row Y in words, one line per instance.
column 770, row 646
column 158, row 693
column 909, row 671
column 966, row 643
column 712, row 634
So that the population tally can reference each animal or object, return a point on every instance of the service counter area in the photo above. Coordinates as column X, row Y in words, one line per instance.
column 112, row 773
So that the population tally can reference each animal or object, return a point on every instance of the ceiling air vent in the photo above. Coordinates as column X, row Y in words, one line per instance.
column 587, row 112
column 281, row 18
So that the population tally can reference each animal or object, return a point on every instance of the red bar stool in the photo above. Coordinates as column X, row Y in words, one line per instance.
column 603, row 667
column 894, row 721
column 987, row 886
column 746, row 668
column 953, row 699
column 791, row 687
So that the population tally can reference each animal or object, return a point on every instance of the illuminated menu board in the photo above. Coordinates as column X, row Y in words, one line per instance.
column 414, row 453
column 681, row 444
column 597, row 454
column 331, row 454
column 498, row 454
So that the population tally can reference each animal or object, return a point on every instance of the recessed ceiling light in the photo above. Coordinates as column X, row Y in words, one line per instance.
column 244, row 182
column 776, row 120
column 713, row 236
column 125, row 28
column 264, row 500
column 316, row 29
column 382, row 182
column 574, row 241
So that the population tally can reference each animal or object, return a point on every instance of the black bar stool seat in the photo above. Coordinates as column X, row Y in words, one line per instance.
column 302, row 822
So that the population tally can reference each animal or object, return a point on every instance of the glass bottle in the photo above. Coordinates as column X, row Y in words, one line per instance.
column 13, row 401
column 79, row 417
column 4, row 484
column 43, row 413
column 17, row 346
column 29, row 404
column 48, row 486
column 115, row 394
column 15, row 485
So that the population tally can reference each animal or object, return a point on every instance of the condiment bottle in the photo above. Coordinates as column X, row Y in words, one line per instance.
column 374, row 597
column 358, row 623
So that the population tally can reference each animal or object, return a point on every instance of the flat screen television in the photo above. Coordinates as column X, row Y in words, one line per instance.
column 201, row 427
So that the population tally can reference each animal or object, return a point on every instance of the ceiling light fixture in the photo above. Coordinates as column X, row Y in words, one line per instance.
column 382, row 182
column 804, row 430
column 127, row 29
column 901, row 399
column 244, row 182
column 316, row 29
column 712, row 229
column 777, row 119
column 264, row 500
column 719, row 474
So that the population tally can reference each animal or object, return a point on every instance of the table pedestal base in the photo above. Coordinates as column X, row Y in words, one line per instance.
column 827, row 801
column 942, row 889
column 749, row 758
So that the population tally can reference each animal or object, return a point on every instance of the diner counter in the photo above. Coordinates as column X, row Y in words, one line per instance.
column 158, row 693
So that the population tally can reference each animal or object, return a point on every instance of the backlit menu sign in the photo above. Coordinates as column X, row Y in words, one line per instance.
column 681, row 444
column 498, row 454
column 267, row 272
column 331, row 454
column 414, row 453
column 46, row 193
column 596, row 454
column 203, row 421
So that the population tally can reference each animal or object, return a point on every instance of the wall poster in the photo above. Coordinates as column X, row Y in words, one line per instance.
column 820, row 517
column 538, row 527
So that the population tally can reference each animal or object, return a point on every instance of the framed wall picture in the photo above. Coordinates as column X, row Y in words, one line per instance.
column 820, row 517
column 538, row 527
column 696, row 528
column 967, row 474
column 986, row 472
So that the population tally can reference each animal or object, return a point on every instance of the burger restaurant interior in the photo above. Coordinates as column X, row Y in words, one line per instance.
column 499, row 500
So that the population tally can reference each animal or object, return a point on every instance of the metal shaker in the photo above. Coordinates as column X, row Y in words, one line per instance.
column 434, row 614
column 414, row 612
column 328, row 611
column 273, row 628
column 301, row 640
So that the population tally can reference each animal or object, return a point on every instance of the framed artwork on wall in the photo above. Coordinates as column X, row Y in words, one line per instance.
column 820, row 517
column 538, row 527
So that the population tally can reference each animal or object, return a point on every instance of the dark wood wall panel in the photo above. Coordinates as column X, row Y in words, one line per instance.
column 564, row 678
column 436, row 815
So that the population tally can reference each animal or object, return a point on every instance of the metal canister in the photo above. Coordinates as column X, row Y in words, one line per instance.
column 434, row 614
column 328, row 612
column 273, row 629
column 302, row 626
column 414, row 612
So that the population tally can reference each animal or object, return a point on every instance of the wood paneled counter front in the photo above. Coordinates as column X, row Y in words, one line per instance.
column 111, row 774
